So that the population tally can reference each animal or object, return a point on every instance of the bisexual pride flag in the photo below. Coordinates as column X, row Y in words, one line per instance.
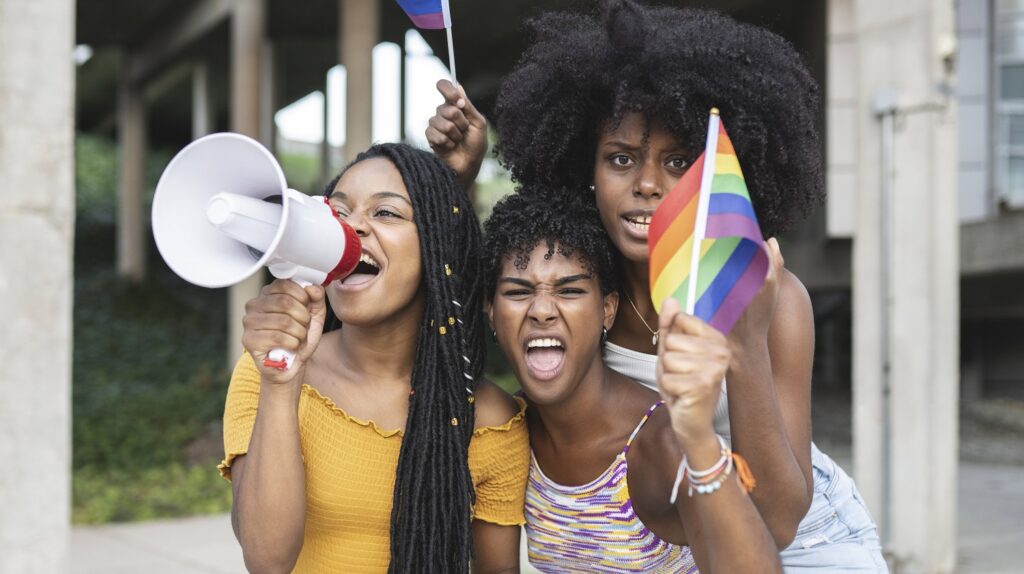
column 706, row 247
column 433, row 15
column 428, row 14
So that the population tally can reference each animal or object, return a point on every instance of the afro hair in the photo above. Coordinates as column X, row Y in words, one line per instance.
column 584, row 72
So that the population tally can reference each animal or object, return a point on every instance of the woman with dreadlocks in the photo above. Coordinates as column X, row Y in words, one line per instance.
column 381, row 448
column 615, row 109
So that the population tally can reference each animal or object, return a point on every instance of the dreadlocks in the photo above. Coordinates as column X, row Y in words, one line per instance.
column 433, row 497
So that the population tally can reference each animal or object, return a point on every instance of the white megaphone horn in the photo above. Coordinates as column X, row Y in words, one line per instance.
column 222, row 210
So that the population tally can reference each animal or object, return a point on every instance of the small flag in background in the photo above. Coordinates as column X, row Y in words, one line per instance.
column 706, row 228
column 428, row 14
column 433, row 15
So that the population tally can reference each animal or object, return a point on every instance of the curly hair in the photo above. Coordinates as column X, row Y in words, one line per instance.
column 434, row 494
column 564, row 222
column 583, row 73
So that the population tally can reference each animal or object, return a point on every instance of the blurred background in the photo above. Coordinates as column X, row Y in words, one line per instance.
column 116, row 369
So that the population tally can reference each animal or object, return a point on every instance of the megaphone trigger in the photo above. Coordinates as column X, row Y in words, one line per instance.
column 279, row 359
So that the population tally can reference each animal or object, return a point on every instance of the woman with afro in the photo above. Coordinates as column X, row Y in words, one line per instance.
column 614, row 107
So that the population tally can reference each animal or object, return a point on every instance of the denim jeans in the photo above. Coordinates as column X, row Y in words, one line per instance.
column 837, row 534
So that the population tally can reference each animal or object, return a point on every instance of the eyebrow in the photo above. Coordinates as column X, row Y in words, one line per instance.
column 631, row 146
column 378, row 195
column 558, row 283
column 620, row 143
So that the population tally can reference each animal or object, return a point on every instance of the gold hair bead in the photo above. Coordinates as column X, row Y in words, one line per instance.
column 443, row 330
column 455, row 209
column 431, row 322
column 455, row 422
column 447, row 269
column 471, row 399
column 451, row 320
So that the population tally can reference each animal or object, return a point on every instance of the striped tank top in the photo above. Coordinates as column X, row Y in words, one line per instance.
column 593, row 528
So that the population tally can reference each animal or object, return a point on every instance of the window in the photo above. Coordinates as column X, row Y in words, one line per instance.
column 1009, row 92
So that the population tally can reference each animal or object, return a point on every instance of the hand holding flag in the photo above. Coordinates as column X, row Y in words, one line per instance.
column 706, row 247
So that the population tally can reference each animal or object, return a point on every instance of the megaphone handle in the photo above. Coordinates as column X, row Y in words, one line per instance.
column 281, row 359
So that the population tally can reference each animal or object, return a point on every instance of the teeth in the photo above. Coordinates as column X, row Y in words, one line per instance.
column 640, row 220
column 365, row 258
column 543, row 343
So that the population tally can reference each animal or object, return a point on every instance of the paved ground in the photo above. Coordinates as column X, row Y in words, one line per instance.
column 203, row 545
column 991, row 506
column 991, row 535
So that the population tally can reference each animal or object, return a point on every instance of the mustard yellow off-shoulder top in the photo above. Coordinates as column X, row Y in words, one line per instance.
column 350, row 474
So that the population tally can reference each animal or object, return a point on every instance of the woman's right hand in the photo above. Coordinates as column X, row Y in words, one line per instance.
column 692, row 361
column 458, row 133
column 284, row 316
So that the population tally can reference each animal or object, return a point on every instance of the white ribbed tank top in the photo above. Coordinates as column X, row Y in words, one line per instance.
column 642, row 368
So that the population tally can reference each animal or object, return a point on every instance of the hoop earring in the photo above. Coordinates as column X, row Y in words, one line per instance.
column 604, row 335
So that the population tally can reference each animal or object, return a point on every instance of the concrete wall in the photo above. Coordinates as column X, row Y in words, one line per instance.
column 36, row 231
column 906, row 308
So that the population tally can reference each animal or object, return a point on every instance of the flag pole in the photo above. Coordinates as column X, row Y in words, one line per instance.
column 451, row 56
column 700, row 227
column 447, row 13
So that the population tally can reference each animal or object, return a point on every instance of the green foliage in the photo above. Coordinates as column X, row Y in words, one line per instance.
column 302, row 172
column 96, row 177
column 116, row 495
column 148, row 381
column 149, row 375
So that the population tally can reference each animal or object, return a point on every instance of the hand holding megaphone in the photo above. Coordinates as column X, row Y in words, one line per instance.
column 285, row 315
column 222, row 211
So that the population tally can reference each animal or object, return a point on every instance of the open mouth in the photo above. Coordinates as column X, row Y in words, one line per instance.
column 365, row 271
column 545, row 357
column 638, row 223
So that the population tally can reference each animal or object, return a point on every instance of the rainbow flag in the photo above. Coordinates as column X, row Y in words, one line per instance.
column 706, row 229
column 428, row 14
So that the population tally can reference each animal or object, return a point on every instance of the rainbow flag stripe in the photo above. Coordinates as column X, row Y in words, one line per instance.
column 708, row 215
column 428, row 14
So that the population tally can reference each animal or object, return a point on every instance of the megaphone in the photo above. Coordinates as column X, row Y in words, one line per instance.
column 222, row 211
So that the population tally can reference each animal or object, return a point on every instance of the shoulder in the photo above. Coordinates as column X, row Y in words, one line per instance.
column 794, row 316
column 792, row 291
column 494, row 407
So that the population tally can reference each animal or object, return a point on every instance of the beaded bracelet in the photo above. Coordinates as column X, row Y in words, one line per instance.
column 710, row 480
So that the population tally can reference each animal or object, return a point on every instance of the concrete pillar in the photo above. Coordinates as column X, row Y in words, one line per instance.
column 37, row 210
column 202, row 113
column 845, row 113
column 248, row 22
column 403, row 83
column 360, row 32
column 906, row 313
column 268, row 95
column 132, row 235
column 326, row 154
